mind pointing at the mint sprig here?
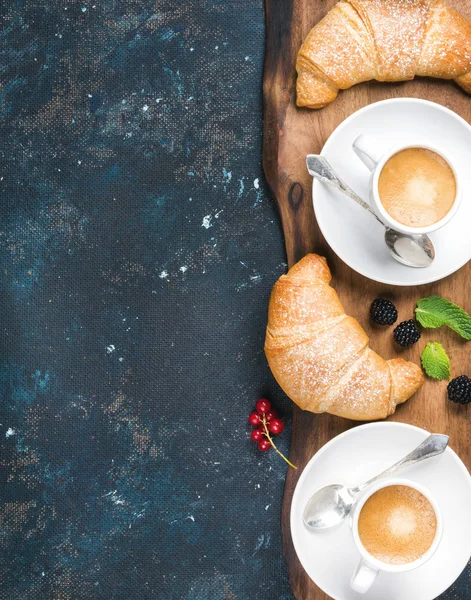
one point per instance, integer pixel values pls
(435, 361)
(435, 311)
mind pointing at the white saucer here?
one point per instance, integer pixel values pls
(329, 557)
(351, 232)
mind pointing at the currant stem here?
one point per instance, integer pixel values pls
(267, 433)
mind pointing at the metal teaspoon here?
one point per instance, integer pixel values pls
(332, 503)
(410, 250)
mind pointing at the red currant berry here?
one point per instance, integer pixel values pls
(264, 445)
(276, 426)
(257, 435)
(270, 415)
(254, 419)
(263, 406)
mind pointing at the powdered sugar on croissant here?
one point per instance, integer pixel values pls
(320, 356)
(386, 40)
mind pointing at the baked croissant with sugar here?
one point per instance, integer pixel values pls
(386, 40)
(320, 356)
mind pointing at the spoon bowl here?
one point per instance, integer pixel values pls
(410, 250)
(329, 506)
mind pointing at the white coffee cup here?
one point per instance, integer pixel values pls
(369, 566)
(370, 153)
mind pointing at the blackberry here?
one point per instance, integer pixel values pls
(383, 312)
(406, 333)
(459, 390)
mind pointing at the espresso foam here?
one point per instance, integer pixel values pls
(417, 187)
(397, 525)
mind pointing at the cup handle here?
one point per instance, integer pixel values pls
(363, 577)
(366, 150)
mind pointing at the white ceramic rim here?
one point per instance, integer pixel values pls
(379, 205)
(325, 447)
(315, 182)
(378, 564)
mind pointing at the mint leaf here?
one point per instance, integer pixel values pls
(435, 361)
(428, 320)
(434, 312)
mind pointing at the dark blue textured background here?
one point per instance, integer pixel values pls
(138, 249)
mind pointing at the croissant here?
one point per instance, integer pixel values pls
(386, 40)
(320, 356)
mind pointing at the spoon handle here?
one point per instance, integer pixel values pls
(434, 445)
(320, 168)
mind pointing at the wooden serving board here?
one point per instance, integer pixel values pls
(289, 134)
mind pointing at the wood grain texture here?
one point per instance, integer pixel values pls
(289, 134)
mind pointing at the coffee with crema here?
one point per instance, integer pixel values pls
(417, 187)
(397, 525)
